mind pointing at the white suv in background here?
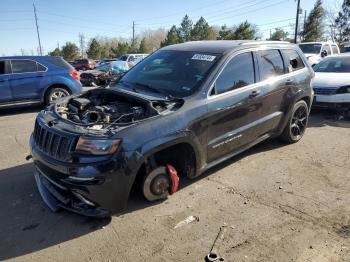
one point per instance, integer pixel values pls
(315, 51)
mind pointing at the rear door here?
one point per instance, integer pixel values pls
(275, 84)
(234, 105)
(5, 89)
(26, 79)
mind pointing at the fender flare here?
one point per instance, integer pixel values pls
(138, 156)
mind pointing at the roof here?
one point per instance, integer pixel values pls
(219, 46)
(320, 42)
(25, 57)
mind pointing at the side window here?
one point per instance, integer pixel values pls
(41, 68)
(238, 72)
(335, 49)
(23, 66)
(293, 59)
(2, 67)
(271, 63)
(327, 48)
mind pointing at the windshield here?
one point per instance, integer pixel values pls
(177, 73)
(334, 65)
(310, 48)
(119, 67)
(346, 49)
(104, 67)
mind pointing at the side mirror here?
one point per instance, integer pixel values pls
(324, 53)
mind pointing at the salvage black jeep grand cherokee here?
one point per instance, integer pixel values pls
(177, 113)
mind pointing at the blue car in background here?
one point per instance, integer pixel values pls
(27, 80)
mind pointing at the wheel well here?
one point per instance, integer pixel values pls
(55, 86)
(307, 100)
(181, 156)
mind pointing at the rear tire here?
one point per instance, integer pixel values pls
(56, 93)
(297, 123)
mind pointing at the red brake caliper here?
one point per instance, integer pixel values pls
(173, 178)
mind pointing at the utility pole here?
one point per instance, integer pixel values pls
(37, 30)
(297, 22)
(133, 32)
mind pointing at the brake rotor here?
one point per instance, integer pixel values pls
(156, 184)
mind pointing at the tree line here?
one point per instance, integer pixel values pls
(313, 29)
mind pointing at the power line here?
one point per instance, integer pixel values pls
(242, 6)
(185, 11)
(78, 18)
(83, 26)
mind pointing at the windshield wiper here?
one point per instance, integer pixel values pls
(158, 91)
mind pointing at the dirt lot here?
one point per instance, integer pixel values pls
(278, 203)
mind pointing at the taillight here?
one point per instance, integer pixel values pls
(75, 75)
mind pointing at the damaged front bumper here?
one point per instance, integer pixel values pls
(95, 189)
(57, 196)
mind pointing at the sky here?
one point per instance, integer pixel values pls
(62, 20)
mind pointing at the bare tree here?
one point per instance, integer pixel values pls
(332, 11)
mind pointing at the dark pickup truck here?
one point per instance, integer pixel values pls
(180, 111)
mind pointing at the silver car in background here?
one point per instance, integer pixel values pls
(332, 82)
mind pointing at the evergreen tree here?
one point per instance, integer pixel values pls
(224, 33)
(173, 37)
(56, 52)
(94, 49)
(279, 34)
(143, 49)
(313, 26)
(342, 24)
(202, 31)
(244, 31)
(185, 29)
(70, 51)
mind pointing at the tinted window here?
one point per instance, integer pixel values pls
(2, 67)
(334, 65)
(271, 63)
(23, 66)
(310, 48)
(293, 59)
(59, 62)
(238, 72)
(335, 49)
(41, 67)
(327, 48)
(178, 73)
(345, 49)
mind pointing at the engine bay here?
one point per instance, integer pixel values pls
(108, 108)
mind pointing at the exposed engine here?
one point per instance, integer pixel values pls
(105, 108)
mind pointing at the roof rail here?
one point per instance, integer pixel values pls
(264, 42)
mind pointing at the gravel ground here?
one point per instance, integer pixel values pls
(273, 203)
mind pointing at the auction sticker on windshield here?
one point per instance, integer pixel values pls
(202, 57)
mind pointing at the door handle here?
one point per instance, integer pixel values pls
(254, 93)
(4, 80)
(289, 81)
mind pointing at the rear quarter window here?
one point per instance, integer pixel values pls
(59, 62)
(293, 60)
